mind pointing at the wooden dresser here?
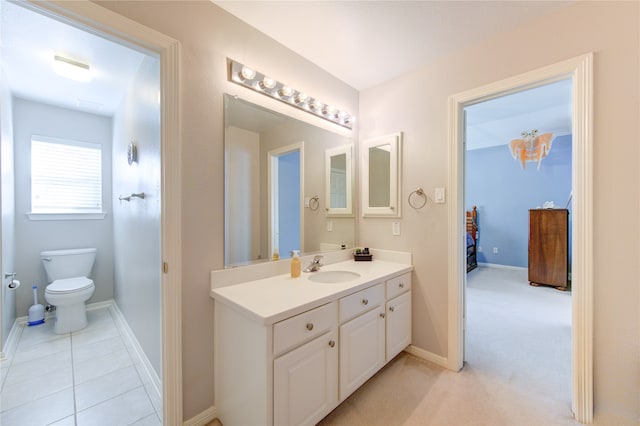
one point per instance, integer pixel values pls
(549, 247)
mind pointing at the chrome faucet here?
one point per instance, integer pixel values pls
(315, 264)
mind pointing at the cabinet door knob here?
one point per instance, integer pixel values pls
(310, 326)
(382, 315)
(332, 343)
(365, 302)
(391, 308)
(401, 285)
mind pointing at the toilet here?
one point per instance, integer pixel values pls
(70, 286)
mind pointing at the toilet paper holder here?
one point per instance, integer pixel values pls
(13, 283)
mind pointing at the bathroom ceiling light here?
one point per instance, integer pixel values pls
(259, 82)
(73, 70)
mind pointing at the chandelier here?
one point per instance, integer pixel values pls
(531, 147)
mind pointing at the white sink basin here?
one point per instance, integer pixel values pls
(333, 277)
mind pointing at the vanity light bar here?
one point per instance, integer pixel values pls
(255, 80)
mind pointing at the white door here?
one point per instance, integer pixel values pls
(305, 382)
(361, 350)
(398, 324)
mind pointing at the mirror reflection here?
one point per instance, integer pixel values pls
(379, 176)
(339, 181)
(275, 197)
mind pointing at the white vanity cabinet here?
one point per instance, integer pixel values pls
(287, 351)
(305, 382)
(398, 315)
(362, 339)
(305, 378)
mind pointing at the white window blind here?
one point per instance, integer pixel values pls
(66, 176)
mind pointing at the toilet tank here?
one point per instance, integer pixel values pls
(71, 263)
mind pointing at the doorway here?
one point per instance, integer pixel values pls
(97, 20)
(285, 195)
(513, 329)
(579, 70)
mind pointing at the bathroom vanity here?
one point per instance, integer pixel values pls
(289, 350)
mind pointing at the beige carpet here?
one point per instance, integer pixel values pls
(517, 370)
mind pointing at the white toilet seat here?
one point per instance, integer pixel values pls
(69, 285)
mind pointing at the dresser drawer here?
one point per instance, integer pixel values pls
(398, 285)
(362, 301)
(294, 331)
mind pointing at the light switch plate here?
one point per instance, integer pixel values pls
(440, 199)
(329, 226)
(395, 228)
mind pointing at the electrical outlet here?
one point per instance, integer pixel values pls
(495, 250)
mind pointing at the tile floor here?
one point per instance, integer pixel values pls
(89, 377)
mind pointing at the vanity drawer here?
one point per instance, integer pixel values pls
(296, 330)
(362, 301)
(398, 285)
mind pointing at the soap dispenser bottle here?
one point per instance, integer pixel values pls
(295, 264)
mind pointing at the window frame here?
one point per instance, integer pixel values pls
(66, 215)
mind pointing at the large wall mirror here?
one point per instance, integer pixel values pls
(275, 195)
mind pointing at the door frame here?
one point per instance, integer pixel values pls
(580, 70)
(105, 23)
(272, 190)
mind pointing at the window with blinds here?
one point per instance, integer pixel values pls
(66, 176)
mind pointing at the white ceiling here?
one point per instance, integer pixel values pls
(29, 42)
(365, 43)
(498, 121)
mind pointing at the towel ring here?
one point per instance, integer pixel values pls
(422, 199)
(314, 203)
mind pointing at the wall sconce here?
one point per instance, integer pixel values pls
(254, 80)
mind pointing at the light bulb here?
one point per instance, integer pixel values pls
(316, 105)
(247, 73)
(329, 111)
(300, 98)
(267, 83)
(285, 91)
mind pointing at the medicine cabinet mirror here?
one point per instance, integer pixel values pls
(381, 176)
(339, 181)
(274, 184)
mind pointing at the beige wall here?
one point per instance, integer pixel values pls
(208, 36)
(611, 31)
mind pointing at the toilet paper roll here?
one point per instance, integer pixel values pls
(14, 284)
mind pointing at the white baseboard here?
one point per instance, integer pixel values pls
(498, 266)
(126, 332)
(427, 356)
(9, 346)
(203, 418)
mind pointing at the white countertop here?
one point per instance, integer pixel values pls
(273, 299)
